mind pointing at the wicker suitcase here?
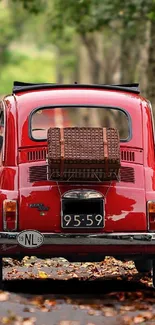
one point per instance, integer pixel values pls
(83, 154)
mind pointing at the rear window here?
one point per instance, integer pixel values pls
(42, 119)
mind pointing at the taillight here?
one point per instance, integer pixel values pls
(151, 214)
(10, 215)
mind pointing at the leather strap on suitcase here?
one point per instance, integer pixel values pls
(105, 146)
(62, 150)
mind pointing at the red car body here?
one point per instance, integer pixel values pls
(129, 212)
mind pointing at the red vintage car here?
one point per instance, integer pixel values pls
(81, 221)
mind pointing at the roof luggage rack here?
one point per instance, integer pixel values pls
(24, 86)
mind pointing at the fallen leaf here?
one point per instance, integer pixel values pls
(87, 264)
(91, 312)
(138, 319)
(109, 312)
(5, 320)
(29, 321)
(4, 296)
(9, 319)
(50, 302)
(127, 320)
(28, 310)
(148, 315)
(38, 301)
(74, 275)
(44, 309)
(127, 308)
(68, 322)
(82, 307)
(60, 272)
(42, 275)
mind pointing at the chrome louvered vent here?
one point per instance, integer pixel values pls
(127, 155)
(39, 173)
(36, 155)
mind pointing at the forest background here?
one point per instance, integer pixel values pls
(84, 41)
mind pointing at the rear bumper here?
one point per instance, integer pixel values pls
(111, 239)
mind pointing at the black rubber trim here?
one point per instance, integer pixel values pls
(23, 87)
(76, 106)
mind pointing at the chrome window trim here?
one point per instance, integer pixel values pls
(123, 110)
(152, 118)
(4, 132)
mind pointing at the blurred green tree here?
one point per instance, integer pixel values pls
(11, 27)
(85, 25)
(127, 18)
(89, 18)
(7, 32)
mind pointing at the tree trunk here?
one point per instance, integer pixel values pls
(143, 61)
(90, 72)
(111, 56)
(84, 64)
(130, 53)
(127, 64)
(59, 70)
(93, 45)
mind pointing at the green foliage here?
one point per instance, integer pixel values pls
(55, 24)
(34, 6)
(26, 67)
(12, 21)
(7, 32)
(90, 15)
(20, 25)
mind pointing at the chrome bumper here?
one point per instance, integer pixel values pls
(86, 239)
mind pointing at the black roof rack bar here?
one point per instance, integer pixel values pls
(22, 86)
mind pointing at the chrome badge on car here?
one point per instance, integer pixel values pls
(39, 206)
(30, 238)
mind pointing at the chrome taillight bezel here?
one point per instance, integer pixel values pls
(148, 215)
(5, 214)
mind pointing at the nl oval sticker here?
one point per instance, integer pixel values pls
(30, 238)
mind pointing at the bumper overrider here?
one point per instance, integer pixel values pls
(11, 238)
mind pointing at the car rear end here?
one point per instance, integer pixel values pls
(80, 218)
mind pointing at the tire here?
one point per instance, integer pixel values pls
(153, 273)
(1, 273)
(143, 266)
(86, 258)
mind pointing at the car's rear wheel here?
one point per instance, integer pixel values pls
(1, 272)
(91, 257)
(153, 273)
(143, 265)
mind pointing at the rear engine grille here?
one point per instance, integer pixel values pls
(127, 174)
(39, 173)
(127, 155)
(36, 155)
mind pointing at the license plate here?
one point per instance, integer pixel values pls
(82, 213)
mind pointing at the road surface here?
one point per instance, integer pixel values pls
(56, 292)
